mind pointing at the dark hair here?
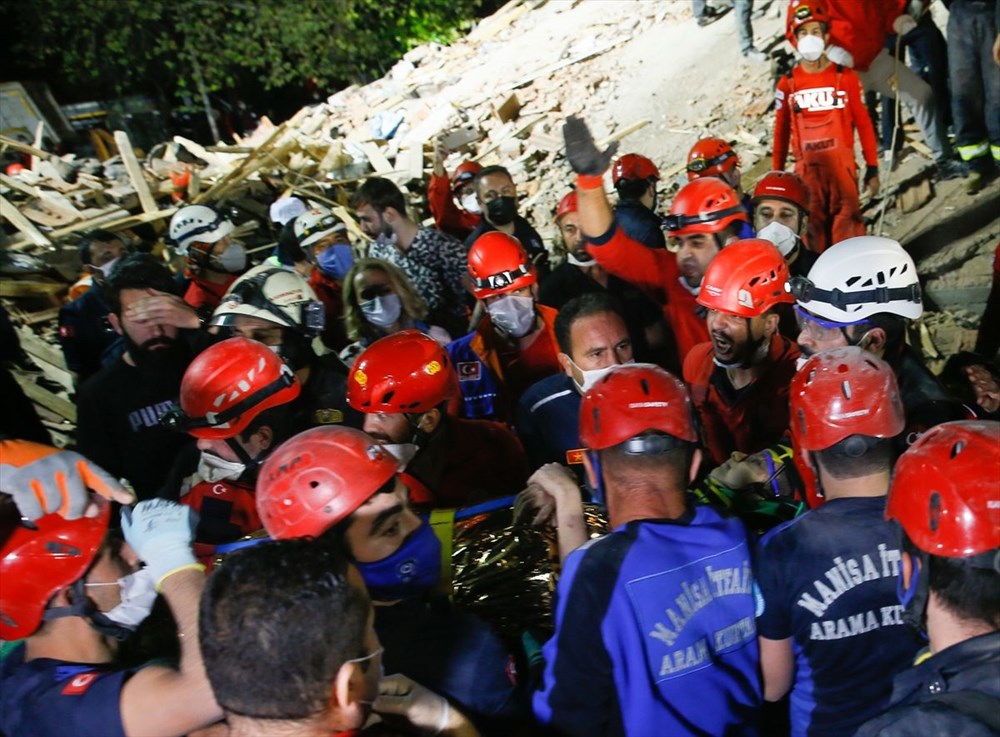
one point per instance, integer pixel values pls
(633, 189)
(856, 456)
(488, 170)
(380, 193)
(585, 305)
(278, 620)
(137, 271)
(894, 327)
(968, 591)
(279, 418)
(95, 236)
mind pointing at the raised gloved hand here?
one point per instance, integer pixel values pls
(160, 532)
(904, 24)
(839, 55)
(401, 699)
(45, 480)
(582, 151)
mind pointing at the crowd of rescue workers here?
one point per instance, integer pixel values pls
(692, 480)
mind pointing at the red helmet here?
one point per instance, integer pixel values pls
(36, 563)
(710, 157)
(229, 384)
(634, 167)
(801, 12)
(318, 478)
(705, 205)
(567, 205)
(403, 372)
(463, 173)
(498, 264)
(944, 490)
(631, 400)
(782, 185)
(746, 278)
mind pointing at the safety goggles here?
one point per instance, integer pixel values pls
(676, 222)
(805, 291)
(819, 329)
(696, 166)
(503, 279)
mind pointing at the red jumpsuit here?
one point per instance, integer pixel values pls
(819, 112)
(205, 296)
(655, 272)
(448, 217)
(748, 419)
(331, 294)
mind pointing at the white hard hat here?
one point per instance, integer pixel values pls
(197, 223)
(285, 209)
(313, 225)
(274, 294)
(860, 277)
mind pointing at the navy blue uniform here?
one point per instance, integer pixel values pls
(828, 580)
(52, 697)
(548, 423)
(640, 223)
(655, 633)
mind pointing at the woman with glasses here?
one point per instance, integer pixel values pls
(379, 300)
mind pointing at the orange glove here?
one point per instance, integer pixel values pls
(45, 480)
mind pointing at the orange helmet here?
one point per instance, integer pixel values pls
(497, 264)
(632, 399)
(705, 205)
(567, 204)
(801, 12)
(634, 167)
(710, 157)
(463, 173)
(227, 385)
(746, 279)
(318, 478)
(35, 562)
(944, 493)
(782, 185)
(404, 372)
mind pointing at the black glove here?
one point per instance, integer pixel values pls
(870, 171)
(582, 152)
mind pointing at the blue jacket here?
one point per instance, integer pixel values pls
(640, 223)
(548, 423)
(655, 633)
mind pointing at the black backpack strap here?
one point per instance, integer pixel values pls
(976, 704)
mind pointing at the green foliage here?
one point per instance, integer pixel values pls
(123, 46)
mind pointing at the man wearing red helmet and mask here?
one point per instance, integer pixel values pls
(403, 384)
(739, 380)
(343, 488)
(514, 344)
(781, 214)
(829, 622)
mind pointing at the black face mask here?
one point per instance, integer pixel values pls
(502, 210)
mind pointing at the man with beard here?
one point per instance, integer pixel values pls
(119, 407)
(434, 261)
(514, 344)
(739, 380)
(403, 384)
(497, 196)
(780, 215)
(235, 400)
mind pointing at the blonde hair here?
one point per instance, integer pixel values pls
(414, 306)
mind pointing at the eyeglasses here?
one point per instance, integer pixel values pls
(508, 190)
(699, 165)
(374, 290)
(819, 329)
(370, 656)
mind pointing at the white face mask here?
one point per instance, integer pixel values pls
(513, 315)
(233, 259)
(592, 376)
(382, 311)
(780, 235)
(470, 203)
(138, 594)
(106, 269)
(212, 468)
(403, 451)
(811, 48)
(800, 362)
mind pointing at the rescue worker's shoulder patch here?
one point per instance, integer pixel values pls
(469, 371)
(78, 684)
(574, 457)
(328, 416)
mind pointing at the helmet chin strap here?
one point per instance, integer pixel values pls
(914, 599)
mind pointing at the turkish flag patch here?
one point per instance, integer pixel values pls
(79, 683)
(469, 371)
(574, 457)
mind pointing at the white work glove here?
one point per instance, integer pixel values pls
(904, 24)
(160, 532)
(45, 480)
(839, 55)
(402, 699)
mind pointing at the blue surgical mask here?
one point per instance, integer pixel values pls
(410, 571)
(335, 261)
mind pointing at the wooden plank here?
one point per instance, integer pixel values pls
(376, 158)
(39, 395)
(135, 172)
(24, 226)
(20, 186)
(39, 133)
(30, 288)
(621, 133)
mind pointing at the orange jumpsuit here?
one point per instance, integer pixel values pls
(820, 112)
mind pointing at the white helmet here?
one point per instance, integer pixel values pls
(313, 225)
(285, 209)
(860, 277)
(274, 294)
(197, 223)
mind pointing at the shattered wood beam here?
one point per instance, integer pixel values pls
(24, 148)
(23, 225)
(620, 134)
(39, 133)
(20, 186)
(135, 172)
(51, 401)
(29, 288)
